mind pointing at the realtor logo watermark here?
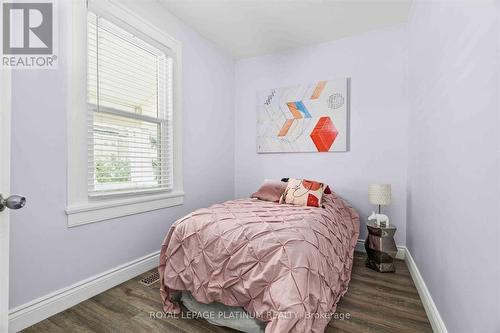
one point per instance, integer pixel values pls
(28, 35)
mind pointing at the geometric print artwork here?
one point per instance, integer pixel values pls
(303, 118)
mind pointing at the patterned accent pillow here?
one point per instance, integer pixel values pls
(327, 188)
(303, 192)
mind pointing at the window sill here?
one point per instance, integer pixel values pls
(100, 211)
(108, 195)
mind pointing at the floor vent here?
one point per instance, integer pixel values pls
(150, 279)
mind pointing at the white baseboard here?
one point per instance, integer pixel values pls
(360, 246)
(435, 319)
(37, 310)
(431, 310)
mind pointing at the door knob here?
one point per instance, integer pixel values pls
(12, 202)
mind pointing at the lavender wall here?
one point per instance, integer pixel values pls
(453, 183)
(377, 65)
(45, 254)
(447, 216)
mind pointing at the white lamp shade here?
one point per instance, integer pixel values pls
(379, 194)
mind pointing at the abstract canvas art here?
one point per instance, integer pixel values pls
(303, 118)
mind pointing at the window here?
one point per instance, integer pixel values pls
(129, 97)
(123, 114)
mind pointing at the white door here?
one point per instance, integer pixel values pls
(7, 202)
(4, 190)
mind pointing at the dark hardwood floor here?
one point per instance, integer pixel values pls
(375, 302)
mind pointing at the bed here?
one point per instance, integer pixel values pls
(286, 265)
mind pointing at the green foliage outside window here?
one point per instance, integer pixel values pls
(155, 163)
(112, 171)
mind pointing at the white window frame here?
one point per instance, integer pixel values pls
(82, 207)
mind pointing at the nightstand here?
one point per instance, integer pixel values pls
(381, 247)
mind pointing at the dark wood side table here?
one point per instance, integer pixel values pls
(381, 247)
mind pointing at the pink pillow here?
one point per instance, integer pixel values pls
(271, 190)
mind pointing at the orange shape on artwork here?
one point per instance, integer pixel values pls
(286, 127)
(324, 133)
(318, 90)
(293, 109)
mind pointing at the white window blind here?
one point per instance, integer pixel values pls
(129, 95)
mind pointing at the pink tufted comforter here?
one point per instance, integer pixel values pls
(288, 265)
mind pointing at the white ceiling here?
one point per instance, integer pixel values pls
(247, 28)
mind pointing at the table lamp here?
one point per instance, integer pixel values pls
(379, 194)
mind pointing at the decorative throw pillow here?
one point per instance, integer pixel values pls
(303, 192)
(327, 188)
(271, 190)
